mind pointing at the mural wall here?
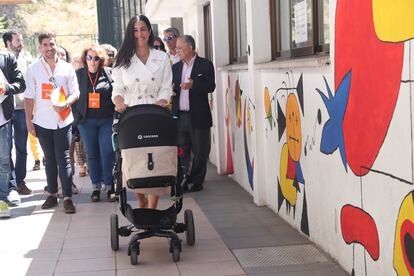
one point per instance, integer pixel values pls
(239, 127)
(338, 139)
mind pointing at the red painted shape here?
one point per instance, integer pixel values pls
(291, 168)
(359, 227)
(229, 167)
(376, 74)
(407, 228)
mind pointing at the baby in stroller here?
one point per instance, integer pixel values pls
(145, 141)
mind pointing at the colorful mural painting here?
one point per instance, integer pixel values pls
(290, 170)
(373, 74)
(367, 85)
(404, 238)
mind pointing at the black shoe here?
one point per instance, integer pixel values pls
(44, 161)
(36, 166)
(51, 201)
(68, 206)
(96, 196)
(196, 188)
(23, 190)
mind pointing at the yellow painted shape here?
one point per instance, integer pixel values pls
(293, 128)
(286, 185)
(267, 101)
(249, 121)
(393, 19)
(406, 213)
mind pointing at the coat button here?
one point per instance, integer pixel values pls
(137, 80)
(139, 97)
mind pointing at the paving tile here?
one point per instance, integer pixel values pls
(41, 267)
(85, 265)
(211, 269)
(159, 270)
(92, 252)
(86, 242)
(85, 273)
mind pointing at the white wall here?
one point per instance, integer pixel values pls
(376, 196)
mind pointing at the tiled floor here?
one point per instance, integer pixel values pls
(50, 242)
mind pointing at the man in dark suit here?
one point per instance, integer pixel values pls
(11, 83)
(193, 80)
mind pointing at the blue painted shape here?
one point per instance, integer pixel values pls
(333, 133)
(249, 165)
(299, 174)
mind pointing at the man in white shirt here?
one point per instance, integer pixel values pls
(170, 38)
(13, 41)
(52, 87)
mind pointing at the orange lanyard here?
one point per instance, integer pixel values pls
(93, 82)
(51, 76)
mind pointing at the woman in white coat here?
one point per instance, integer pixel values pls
(142, 75)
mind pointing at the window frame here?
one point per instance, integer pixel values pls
(208, 36)
(317, 27)
(232, 26)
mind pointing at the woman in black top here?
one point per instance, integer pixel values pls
(93, 115)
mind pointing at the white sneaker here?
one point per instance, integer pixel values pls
(14, 197)
(4, 210)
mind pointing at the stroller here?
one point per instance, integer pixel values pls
(145, 142)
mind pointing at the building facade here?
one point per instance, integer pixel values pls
(113, 17)
(313, 116)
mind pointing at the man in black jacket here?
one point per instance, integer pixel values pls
(11, 83)
(193, 80)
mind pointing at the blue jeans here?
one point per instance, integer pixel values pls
(96, 134)
(55, 145)
(5, 146)
(20, 142)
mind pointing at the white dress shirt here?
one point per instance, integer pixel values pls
(185, 93)
(144, 83)
(174, 58)
(40, 72)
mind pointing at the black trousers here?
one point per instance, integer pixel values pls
(195, 141)
(55, 145)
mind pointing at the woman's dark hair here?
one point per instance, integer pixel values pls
(128, 47)
(162, 46)
(68, 57)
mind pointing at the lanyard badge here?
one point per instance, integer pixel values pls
(94, 99)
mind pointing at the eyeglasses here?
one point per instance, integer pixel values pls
(169, 38)
(157, 47)
(95, 58)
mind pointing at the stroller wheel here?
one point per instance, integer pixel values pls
(134, 251)
(176, 248)
(189, 226)
(114, 232)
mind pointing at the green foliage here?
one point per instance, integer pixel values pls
(3, 24)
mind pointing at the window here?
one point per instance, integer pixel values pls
(299, 27)
(208, 40)
(237, 31)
